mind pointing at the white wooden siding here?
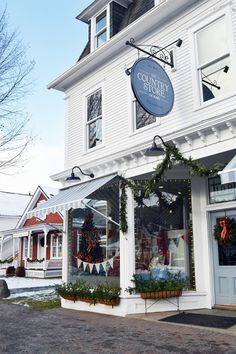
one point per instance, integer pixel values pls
(117, 98)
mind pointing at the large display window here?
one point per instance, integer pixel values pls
(94, 249)
(163, 232)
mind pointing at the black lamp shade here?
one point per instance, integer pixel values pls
(154, 150)
(73, 177)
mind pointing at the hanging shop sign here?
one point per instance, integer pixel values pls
(152, 87)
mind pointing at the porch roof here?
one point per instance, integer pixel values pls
(24, 231)
(228, 174)
(70, 197)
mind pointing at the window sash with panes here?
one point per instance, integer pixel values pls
(212, 57)
(101, 29)
(141, 117)
(56, 246)
(94, 119)
(26, 247)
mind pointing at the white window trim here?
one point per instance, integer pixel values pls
(85, 123)
(197, 94)
(158, 2)
(25, 256)
(132, 113)
(40, 235)
(93, 33)
(51, 242)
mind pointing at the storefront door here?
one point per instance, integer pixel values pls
(224, 257)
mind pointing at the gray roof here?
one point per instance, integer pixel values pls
(135, 10)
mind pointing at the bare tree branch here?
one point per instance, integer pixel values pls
(15, 72)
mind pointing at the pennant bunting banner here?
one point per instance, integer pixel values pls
(99, 266)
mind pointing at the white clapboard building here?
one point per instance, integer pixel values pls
(115, 108)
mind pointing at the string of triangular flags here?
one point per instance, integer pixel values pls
(100, 267)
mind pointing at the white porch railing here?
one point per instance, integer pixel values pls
(34, 265)
(44, 265)
(5, 265)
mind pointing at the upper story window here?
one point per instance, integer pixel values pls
(94, 119)
(141, 117)
(213, 59)
(101, 29)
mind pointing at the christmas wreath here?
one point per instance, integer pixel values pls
(225, 230)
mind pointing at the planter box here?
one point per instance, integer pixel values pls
(70, 297)
(111, 302)
(164, 294)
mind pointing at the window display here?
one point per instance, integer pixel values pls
(94, 251)
(162, 230)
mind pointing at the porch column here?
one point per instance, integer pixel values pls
(127, 247)
(13, 247)
(1, 247)
(45, 231)
(65, 254)
(28, 248)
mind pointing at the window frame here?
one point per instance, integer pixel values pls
(133, 122)
(26, 247)
(55, 237)
(196, 72)
(94, 34)
(86, 95)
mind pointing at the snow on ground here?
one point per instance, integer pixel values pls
(37, 288)
(22, 282)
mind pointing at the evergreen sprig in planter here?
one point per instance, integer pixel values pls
(76, 291)
(158, 283)
(107, 293)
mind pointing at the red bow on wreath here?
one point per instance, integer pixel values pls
(224, 233)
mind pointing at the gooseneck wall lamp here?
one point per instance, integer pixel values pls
(155, 150)
(206, 78)
(74, 177)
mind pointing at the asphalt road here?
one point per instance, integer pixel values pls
(61, 331)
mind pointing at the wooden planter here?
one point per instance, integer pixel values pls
(111, 302)
(70, 297)
(164, 294)
(86, 299)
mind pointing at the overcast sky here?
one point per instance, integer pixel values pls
(55, 40)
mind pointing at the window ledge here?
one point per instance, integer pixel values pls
(90, 151)
(146, 128)
(214, 101)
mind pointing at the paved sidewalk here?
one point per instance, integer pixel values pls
(157, 316)
(61, 331)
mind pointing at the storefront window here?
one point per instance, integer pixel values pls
(163, 228)
(219, 193)
(94, 250)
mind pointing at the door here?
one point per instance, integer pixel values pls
(40, 246)
(224, 257)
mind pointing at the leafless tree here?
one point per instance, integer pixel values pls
(15, 82)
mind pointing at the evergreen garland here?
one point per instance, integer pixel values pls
(172, 156)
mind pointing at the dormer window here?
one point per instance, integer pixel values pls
(101, 29)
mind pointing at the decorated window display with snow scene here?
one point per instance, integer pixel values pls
(94, 250)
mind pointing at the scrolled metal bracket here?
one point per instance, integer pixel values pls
(160, 53)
